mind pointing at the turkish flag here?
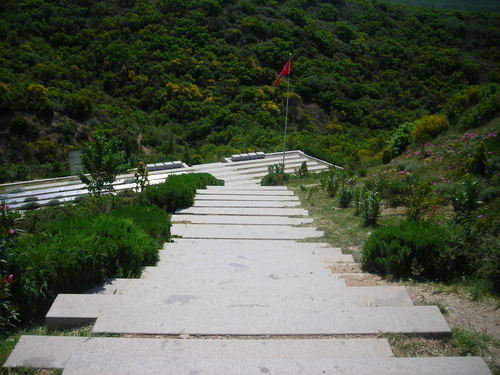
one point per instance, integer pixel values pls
(284, 72)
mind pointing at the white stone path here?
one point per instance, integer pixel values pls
(252, 297)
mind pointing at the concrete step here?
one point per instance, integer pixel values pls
(128, 316)
(240, 197)
(244, 211)
(124, 365)
(232, 219)
(55, 351)
(239, 203)
(275, 189)
(260, 232)
(275, 251)
(242, 191)
(227, 296)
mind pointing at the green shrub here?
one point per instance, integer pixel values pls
(152, 219)
(38, 220)
(465, 201)
(395, 193)
(420, 199)
(30, 206)
(346, 192)
(369, 207)
(335, 179)
(478, 163)
(30, 199)
(303, 171)
(321, 154)
(275, 179)
(54, 202)
(177, 191)
(8, 233)
(481, 113)
(416, 249)
(399, 139)
(73, 255)
(427, 128)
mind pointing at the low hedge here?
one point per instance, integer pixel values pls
(275, 179)
(152, 219)
(177, 191)
(416, 249)
(75, 254)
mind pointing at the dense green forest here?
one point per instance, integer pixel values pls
(468, 5)
(475, 5)
(193, 79)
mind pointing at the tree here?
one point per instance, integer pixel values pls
(103, 160)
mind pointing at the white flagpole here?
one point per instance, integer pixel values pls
(286, 110)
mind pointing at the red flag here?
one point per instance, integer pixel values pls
(284, 72)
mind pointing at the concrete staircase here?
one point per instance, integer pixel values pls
(250, 297)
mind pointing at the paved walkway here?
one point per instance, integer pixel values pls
(251, 297)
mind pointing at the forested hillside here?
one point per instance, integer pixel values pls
(192, 79)
(475, 5)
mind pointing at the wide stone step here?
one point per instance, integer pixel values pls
(233, 219)
(267, 253)
(239, 197)
(279, 250)
(268, 211)
(128, 365)
(234, 191)
(273, 232)
(56, 351)
(158, 317)
(250, 204)
(275, 189)
(227, 296)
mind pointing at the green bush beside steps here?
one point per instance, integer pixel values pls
(73, 248)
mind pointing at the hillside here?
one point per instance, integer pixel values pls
(192, 80)
(467, 5)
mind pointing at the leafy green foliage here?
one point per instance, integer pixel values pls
(336, 178)
(427, 128)
(177, 191)
(465, 201)
(103, 160)
(191, 81)
(420, 199)
(75, 254)
(400, 139)
(346, 192)
(141, 177)
(416, 249)
(8, 233)
(478, 5)
(275, 179)
(151, 219)
(303, 171)
(368, 206)
(478, 162)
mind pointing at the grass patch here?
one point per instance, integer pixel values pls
(463, 342)
(342, 229)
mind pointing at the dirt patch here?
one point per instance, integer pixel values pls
(364, 279)
(460, 311)
(346, 268)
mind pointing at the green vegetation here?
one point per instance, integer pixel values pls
(191, 80)
(73, 255)
(177, 191)
(72, 248)
(476, 5)
(103, 161)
